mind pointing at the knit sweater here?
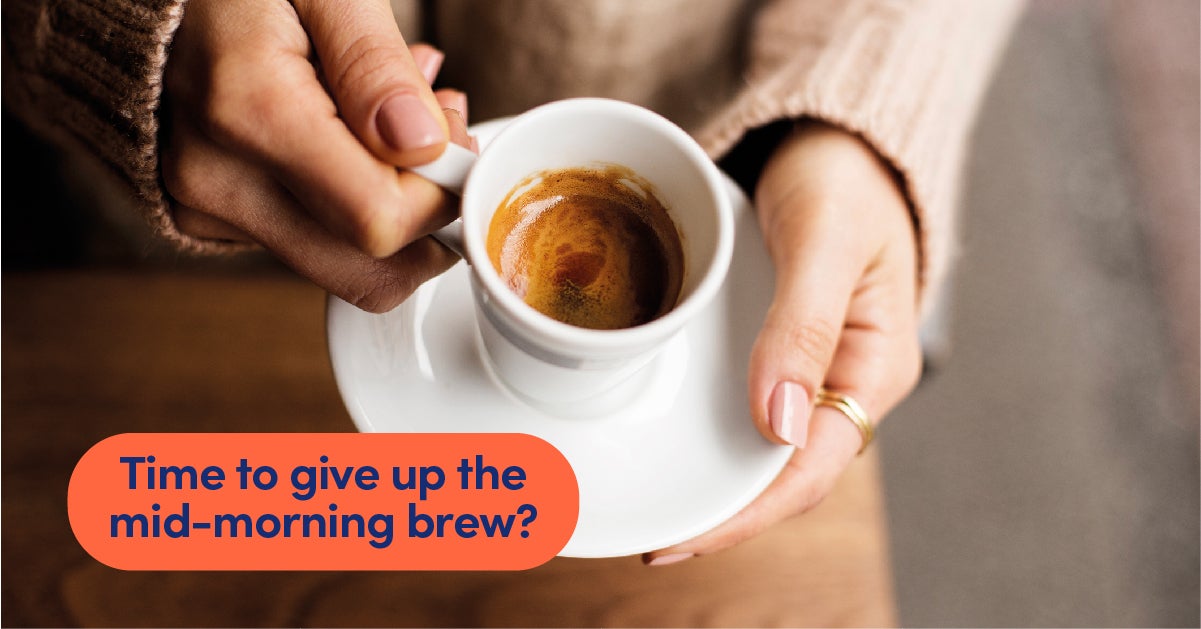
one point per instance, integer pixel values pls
(906, 76)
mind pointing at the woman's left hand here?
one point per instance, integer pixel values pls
(843, 318)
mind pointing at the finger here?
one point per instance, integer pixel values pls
(877, 362)
(380, 90)
(814, 283)
(290, 126)
(371, 284)
(453, 99)
(255, 94)
(428, 60)
(805, 480)
(457, 123)
(877, 368)
(204, 177)
(367, 202)
(836, 224)
(419, 187)
(879, 358)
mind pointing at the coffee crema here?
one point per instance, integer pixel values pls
(592, 247)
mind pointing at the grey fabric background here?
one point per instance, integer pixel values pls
(1046, 472)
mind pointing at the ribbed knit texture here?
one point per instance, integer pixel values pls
(906, 75)
(89, 74)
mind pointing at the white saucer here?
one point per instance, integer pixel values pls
(680, 457)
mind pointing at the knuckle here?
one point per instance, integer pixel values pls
(232, 115)
(360, 228)
(374, 214)
(239, 105)
(382, 288)
(811, 341)
(368, 231)
(368, 63)
(222, 92)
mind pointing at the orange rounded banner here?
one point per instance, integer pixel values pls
(310, 501)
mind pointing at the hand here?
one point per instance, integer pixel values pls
(843, 317)
(285, 124)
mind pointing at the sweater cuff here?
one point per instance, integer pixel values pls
(907, 77)
(90, 74)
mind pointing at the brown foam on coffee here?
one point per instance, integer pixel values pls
(590, 247)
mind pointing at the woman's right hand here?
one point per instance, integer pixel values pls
(285, 124)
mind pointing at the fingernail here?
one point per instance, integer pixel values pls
(458, 102)
(458, 115)
(475, 145)
(429, 64)
(406, 124)
(664, 560)
(457, 127)
(789, 413)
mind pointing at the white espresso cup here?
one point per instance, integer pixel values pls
(541, 359)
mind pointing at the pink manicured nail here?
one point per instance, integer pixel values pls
(458, 102)
(429, 64)
(406, 124)
(664, 560)
(789, 413)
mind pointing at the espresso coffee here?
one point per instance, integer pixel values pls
(592, 247)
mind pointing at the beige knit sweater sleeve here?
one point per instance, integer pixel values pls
(906, 75)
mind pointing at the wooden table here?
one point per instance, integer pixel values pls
(87, 354)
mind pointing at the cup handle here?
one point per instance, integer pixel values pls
(450, 172)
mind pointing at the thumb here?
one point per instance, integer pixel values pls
(799, 337)
(380, 91)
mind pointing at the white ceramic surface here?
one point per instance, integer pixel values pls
(535, 355)
(665, 457)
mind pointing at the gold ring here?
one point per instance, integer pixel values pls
(854, 412)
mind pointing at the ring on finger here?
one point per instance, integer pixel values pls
(853, 411)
